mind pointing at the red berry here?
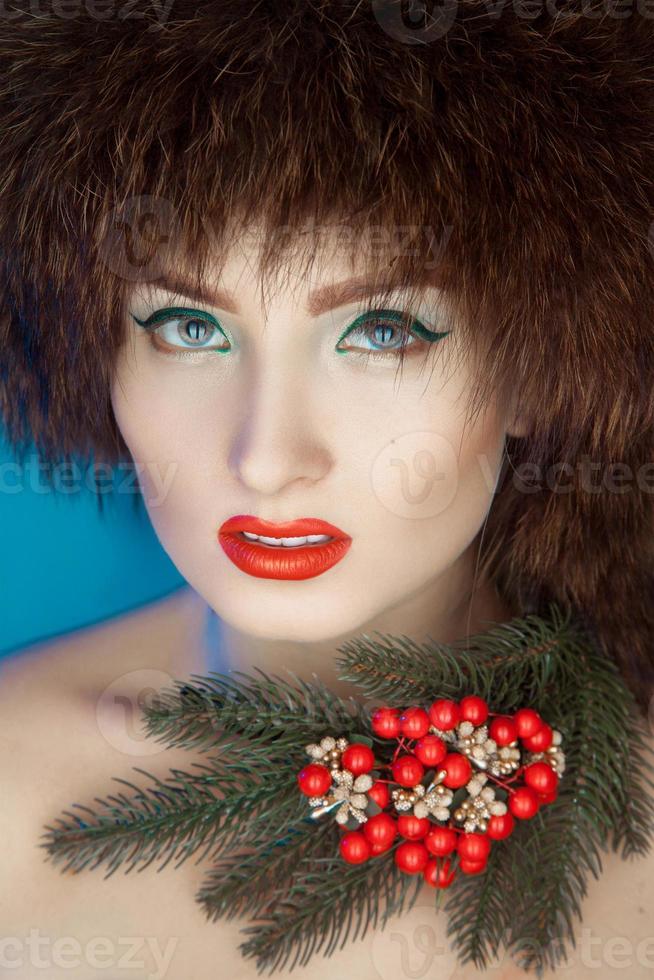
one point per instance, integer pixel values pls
(527, 722)
(458, 769)
(523, 803)
(471, 867)
(358, 758)
(500, 827)
(386, 723)
(380, 829)
(473, 847)
(440, 874)
(541, 740)
(354, 847)
(380, 848)
(541, 777)
(407, 770)
(414, 722)
(412, 827)
(441, 841)
(379, 793)
(444, 714)
(503, 730)
(473, 709)
(314, 779)
(411, 856)
(548, 797)
(431, 750)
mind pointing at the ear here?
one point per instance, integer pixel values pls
(517, 424)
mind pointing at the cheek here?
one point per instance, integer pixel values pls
(171, 427)
(433, 483)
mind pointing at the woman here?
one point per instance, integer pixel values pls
(312, 260)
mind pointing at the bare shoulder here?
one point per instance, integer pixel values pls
(151, 636)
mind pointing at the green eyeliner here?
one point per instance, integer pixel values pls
(160, 316)
(167, 314)
(416, 327)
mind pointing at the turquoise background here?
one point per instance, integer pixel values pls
(64, 563)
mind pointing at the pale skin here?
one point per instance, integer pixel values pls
(281, 427)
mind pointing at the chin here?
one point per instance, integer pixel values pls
(279, 620)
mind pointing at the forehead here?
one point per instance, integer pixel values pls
(318, 268)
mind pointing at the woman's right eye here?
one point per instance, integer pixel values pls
(185, 330)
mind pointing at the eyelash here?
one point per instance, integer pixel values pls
(394, 319)
(375, 318)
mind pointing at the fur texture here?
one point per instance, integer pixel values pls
(530, 140)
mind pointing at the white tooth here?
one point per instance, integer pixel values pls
(292, 542)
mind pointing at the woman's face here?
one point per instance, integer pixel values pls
(301, 410)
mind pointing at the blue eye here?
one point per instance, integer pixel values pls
(387, 333)
(183, 329)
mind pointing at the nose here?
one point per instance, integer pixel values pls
(279, 442)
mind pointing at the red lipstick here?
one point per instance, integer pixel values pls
(283, 560)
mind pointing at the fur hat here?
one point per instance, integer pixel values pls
(521, 135)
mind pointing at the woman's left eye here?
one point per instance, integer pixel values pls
(180, 329)
(387, 332)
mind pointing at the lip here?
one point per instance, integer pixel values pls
(271, 561)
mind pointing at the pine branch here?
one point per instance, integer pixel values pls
(547, 859)
(507, 665)
(634, 825)
(241, 885)
(567, 835)
(335, 902)
(173, 819)
(305, 900)
(266, 711)
(480, 907)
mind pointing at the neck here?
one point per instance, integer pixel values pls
(451, 608)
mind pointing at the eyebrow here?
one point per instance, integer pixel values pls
(321, 300)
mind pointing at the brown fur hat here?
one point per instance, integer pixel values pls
(521, 134)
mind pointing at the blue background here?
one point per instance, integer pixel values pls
(65, 564)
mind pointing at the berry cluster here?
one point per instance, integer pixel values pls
(492, 768)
